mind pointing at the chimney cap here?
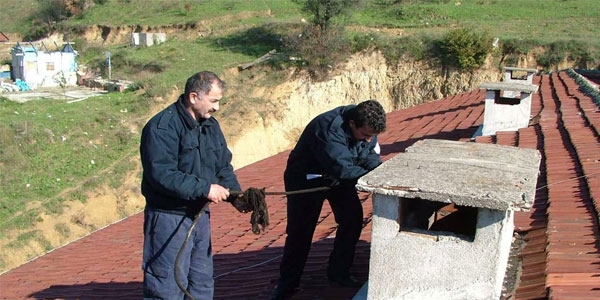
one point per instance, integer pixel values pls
(509, 86)
(520, 69)
(464, 173)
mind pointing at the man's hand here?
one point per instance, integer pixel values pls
(217, 193)
(253, 200)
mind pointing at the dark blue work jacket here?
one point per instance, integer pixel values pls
(181, 158)
(327, 147)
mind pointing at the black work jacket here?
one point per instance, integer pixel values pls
(181, 158)
(327, 148)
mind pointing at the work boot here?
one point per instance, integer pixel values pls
(282, 292)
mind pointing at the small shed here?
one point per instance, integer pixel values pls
(147, 39)
(44, 68)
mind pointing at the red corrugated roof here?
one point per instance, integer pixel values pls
(560, 260)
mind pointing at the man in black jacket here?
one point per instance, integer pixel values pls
(186, 164)
(335, 149)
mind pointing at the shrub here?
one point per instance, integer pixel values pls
(558, 51)
(361, 41)
(517, 46)
(465, 49)
(324, 11)
(415, 47)
(552, 57)
(44, 22)
(317, 49)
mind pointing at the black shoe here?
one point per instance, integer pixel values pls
(281, 292)
(345, 281)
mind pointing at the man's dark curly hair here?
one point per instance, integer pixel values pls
(369, 112)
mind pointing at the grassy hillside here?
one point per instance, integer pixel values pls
(161, 12)
(545, 21)
(15, 15)
(54, 153)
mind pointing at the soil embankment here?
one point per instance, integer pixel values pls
(363, 77)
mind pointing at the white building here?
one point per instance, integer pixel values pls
(44, 68)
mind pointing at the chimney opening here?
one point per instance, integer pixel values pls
(434, 218)
(519, 74)
(507, 101)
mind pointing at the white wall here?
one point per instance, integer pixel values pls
(413, 266)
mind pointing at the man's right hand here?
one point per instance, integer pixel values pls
(217, 193)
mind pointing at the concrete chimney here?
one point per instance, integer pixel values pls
(507, 106)
(508, 103)
(443, 219)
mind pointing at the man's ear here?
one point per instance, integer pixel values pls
(351, 124)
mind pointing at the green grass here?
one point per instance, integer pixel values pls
(223, 13)
(14, 15)
(545, 21)
(51, 145)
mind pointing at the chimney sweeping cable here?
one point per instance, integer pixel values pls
(568, 179)
(323, 188)
(255, 196)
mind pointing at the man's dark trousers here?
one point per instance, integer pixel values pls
(303, 212)
(165, 234)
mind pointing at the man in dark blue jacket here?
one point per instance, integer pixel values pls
(335, 149)
(186, 164)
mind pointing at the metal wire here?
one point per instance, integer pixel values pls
(304, 191)
(187, 238)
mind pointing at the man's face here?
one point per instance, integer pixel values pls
(203, 105)
(364, 133)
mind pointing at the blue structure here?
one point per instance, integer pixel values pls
(42, 68)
